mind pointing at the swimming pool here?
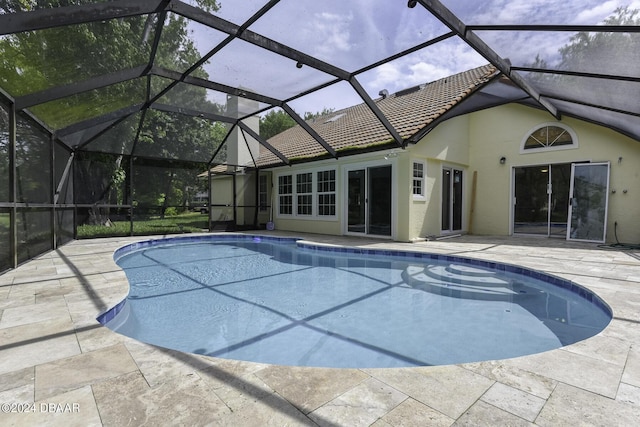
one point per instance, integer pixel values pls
(281, 301)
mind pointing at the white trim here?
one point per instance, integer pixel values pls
(463, 219)
(314, 194)
(423, 196)
(572, 198)
(394, 194)
(512, 190)
(574, 138)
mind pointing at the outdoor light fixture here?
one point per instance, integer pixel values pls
(412, 4)
(391, 155)
(299, 64)
(503, 160)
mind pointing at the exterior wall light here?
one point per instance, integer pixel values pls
(503, 160)
(412, 4)
(391, 155)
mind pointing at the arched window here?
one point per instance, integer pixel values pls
(554, 136)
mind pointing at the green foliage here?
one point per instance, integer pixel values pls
(171, 211)
(604, 48)
(275, 122)
(310, 116)
(192, 222)
(12, 6)
(32, 162)
(37, 60)
(597, 52)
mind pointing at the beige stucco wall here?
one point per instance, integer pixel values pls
(221, 193)
(500, 131)
(336, 226)
(445, 146)
(475, 143)
(413, 218)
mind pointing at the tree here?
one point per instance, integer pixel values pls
(277, 121)
(37, 60)
(598, 51)
(602, 50)
(310, 116)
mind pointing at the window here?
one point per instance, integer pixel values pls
(308, 194)
(418, 180)
(285, 194)
(304, 190)
(262, 193)
(554, 136)
(327, 193)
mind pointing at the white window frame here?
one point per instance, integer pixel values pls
(263, 193)
(572, 146)
(281, 195)
(422, 180)
(315, 215)
(329, 193)
(304, 194)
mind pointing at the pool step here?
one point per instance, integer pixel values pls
(467, 270)
(459, 274)
(457, 277)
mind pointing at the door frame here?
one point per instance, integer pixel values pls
(463, 215)
(513, 200)
(512, 191)
(572, 200)
(345, 198)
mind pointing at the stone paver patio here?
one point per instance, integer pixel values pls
(62, 367)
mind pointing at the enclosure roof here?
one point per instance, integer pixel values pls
(171, 80)
(412, 111)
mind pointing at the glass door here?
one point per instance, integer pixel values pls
(369, 201)
(541, 201)
(451, 199)
(589, 202)
(379, 214)
(356, 219)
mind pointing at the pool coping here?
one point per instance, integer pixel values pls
(56, 351)
(573, 287)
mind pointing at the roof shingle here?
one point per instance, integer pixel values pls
(357, 127)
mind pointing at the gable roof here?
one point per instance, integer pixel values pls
(356, 129)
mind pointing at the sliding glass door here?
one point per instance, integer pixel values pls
(541, 201)
(566, 200)
(589, 202)
(369, 201)
(451, 200)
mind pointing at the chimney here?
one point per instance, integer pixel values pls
(239, 152)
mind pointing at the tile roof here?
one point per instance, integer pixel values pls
(356, 127)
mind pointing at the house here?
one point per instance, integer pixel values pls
(478, 158)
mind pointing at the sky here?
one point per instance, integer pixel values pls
(352, 34)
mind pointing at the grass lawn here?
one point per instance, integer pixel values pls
(190, 222)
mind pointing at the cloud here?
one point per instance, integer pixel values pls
(432, 63)
(336, 97)
(537, 11)
(423, 72)
(334, 30)
(597, 13)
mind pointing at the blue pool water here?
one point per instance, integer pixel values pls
(274, 300)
